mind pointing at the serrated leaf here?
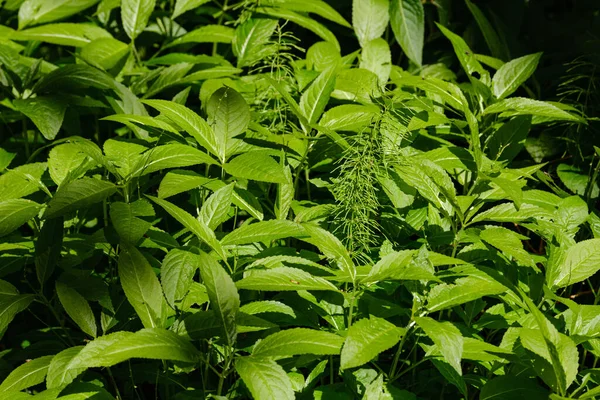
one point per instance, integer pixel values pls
(142, 288)
(318, 7)
(283, 279)
(47, 113)
(182, 6)
(508, 242)
(223, 295)
(250, 42)
(169, 156)
(78, 194)
(369, 19)
(377, 58)
(507, 141)
(77, 308)
(150, 343)
(190, 122)
(26, 375)
(67, 161)
(407, 18)
(177, 273)
(349, 117)
(135, 15)
(265, 379)
(34, 12)
(59, 371)
(513, 74)
(315, 98)
(264, 231)
(206, 34)
(73, 77)
(526, 106)
(447, 337)
(124, 218)
(512, 387)
(21, 181)
(65, 34)
(580, 262)
(399, 266)
(332, 247)
(10, 307)
(104, 53)
(16, 212)
(366, 339)
(215, 209)
(256, 165)
(291, 342)
(462, 291)
(198, 228)
(228, 113)
(267, 306)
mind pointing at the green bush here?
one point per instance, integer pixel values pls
(280, 199)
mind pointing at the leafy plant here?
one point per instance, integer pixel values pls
(204, 199)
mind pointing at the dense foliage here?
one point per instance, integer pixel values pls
(279, 199)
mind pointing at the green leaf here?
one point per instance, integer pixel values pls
(332, 248)
(228, 113)
(223, 295)
(256, 165)
(47, 248)
(492, 38)
(21, 181)
(576, 180)
(198, 228)
(513, 74)
(77, 195)
(16, 212)
(169, 156)
(265, 379)
(512, 387)
(267, 306)
(26, 375)
(291, 342)
(47, 113)
(446, 337)
(318, 7)
(525, 106)
(150, 343)
(104, 53)
(462, 291)
(580, 262)
(215, 209)
(250, 42)
(400, 266)
(190, 122)
(369, 19)
(73, 77)
(142, 288)
(60, 373)
(77, 308)
(301, 20)
(65, 34)
(508, 242)
(408, 23)
(315, 98)
(124, 218)
(11, 306)
(133, 122)
(264, 231)
(67, 162)
(507, 141)
(349, 117)
(377, 58)
(177, 273)
(366, 339)
(466, 57)
(35, 12)
(135, 15)
(283, 279)
(206, 34)
(182, 6)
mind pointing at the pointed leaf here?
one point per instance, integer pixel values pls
(16, 212)
(78, 194)
(291, 342)
(250, 42)
(26, 375)
(135, 15)
(264, 231)
(283, 279)
(265, 379)
(47, 113)
(580, 262)
(215, 209)
(177, 273)
(315, 98)
(35, 12)
(332, 248)
(77, 308)
(59, 372)
(65, 34)
(124, 218)
(369, 19)
(206, 34)
(408, 23)
(447, 337)
(256, 165)
(526, 106)
(513, 74)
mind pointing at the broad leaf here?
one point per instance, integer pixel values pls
(177, 272)
(223, 295)
(407, 18)
(332, 248)
(126, 221)
(169, 156)
(250, 42)
(369, 19)
(446, 337)
(77, 308)
(16, 212)
(142, 288)
(264, 231)
(506, 142)
(66, 34)
(215, 209)
(315, 98)
(59, 372)
(513, 74)
(512, 387)
(228, 113)
(508, 242)
(48, 247)
(256, 165)
(462, 291)
(77, 195)
(182, 6)
(11, 306)
(21, 181)
(35, 12)
(525, 106)
(135, 15)
(291, 342)
(26, 375)
(265, 379)
(366, 339)
(47, 113)
(580, 262)
(283, 279)
(206, 34)
(104, 53)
